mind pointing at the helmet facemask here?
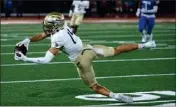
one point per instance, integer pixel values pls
(53, 22)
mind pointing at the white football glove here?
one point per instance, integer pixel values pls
(70, 13)
(24, 42)
(20, 56)
(138, 12)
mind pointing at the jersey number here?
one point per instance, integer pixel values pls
(71, 34)
(146, 3)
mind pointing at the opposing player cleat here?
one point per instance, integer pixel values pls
(143, 40)
(150, 44)
(150, 37)
(123, 98)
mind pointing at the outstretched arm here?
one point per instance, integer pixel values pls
(38, 37)
(46, 59)
(34, 38)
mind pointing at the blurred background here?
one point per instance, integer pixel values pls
(98, 8)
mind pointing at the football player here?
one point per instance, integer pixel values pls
(77, 11)
(81, 54)
(146, 13)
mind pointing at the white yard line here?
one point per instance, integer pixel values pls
(48, 44)
(17, 40)
(121, 29)
(88, 32)
(91, 37)
(114, 27)
(87, 21)
(96, 61)
(7, 36)
(165, 48)
(12, 53)
(91, 41)
(28, 53)
(69, 79)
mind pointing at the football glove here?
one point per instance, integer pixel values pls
(22, 49)
(20, 56)
(138, 12)
(25, 42)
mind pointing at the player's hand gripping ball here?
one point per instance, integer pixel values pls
(20, 52)
(21, 49)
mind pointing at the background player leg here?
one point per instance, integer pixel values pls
(150, 26)
(77, 22)
(72, 22)
(142, 28)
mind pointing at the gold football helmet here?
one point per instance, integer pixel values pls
(53, 22)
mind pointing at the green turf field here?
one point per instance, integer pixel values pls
(148, 74)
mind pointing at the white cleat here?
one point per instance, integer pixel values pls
(150, 37)
(123, 98)
(150, 44)
(143, 40)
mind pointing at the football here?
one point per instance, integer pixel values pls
(21, 48)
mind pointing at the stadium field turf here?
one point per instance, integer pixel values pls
(148, 75)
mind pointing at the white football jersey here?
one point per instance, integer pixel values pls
(68, 42)
(80, 6)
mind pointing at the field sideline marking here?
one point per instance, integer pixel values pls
(68, 79)
(116, 60)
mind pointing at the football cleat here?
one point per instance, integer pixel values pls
(144, 40)
(123, 98)
(150, 44)
(150, 37)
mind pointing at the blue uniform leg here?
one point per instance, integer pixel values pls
(142, 27)
(150, 26)
(142, 23)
